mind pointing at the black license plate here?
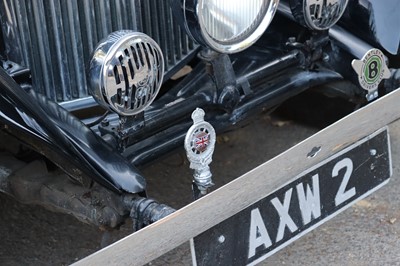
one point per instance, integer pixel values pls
(312, 198)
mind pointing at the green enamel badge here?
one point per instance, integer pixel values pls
(371, 69)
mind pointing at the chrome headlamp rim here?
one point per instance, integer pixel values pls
(195, 27)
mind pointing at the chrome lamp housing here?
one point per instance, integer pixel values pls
(318, 14)
(126, 72)
(225, 26)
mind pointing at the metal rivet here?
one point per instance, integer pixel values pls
(314, 152)
(325, 57)
(221, 239)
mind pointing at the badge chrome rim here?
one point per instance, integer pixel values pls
(371, 69)
(200, 155)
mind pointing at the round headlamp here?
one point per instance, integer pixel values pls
(126, 72)
(318, 14)
(226, 26)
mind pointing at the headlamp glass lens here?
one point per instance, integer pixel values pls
(228, 21)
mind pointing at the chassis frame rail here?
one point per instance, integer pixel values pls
(155, 240)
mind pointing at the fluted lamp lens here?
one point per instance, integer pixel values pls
(234, 22)
(227, 21)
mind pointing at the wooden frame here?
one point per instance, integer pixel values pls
(155, 240)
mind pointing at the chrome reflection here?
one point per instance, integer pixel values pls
(126, 72)
(323, 14)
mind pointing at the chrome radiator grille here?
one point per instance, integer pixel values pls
(55, 38)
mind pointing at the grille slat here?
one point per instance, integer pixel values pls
(76, 51)
(55, 38)
(176, 45)
(58, 38)
(41, 44)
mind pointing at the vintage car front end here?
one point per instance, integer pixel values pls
(101, 88)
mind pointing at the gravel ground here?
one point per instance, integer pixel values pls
(365, 234)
